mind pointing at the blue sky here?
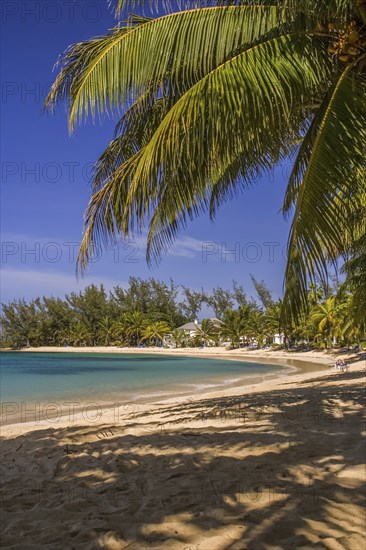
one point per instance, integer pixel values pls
(45, 180)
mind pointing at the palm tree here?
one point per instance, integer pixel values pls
(327, 321)
(276, 323)
(256, 327)
(221, 94)
(273, 318)
(315, 294)
(355, 269)
(179, 338)
(79, 334)
(155, 332)
(131, 326)
(234, 328)
(106, 330)
(209, 332)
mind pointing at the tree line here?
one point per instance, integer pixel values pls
(148, 310)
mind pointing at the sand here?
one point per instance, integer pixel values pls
(270, 353)
(276, 465)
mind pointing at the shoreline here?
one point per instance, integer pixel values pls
(291, 370)
(280, 461)
(208, 350)
(269, 356)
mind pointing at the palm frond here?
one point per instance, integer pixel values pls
(239, 174)
(103, 73)
(157, 6)
(244, 105)
(104, 212)
(132, 132)
(206, 129)
(321, 8)
(304, 152)
(331, 188)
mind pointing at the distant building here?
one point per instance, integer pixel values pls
(215, 321)
(190, 329)
(279, 339)
(193, 328)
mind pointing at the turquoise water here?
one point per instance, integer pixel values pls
(49, 376)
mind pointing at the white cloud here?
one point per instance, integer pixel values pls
(19, 246)
(186, 247)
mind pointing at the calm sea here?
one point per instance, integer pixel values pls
(86, 376)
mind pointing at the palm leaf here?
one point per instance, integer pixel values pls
(240, 106)
(333, 10)
(196, 139)
(103, 73)
(331, 189)
(304, 152)
(132, 132)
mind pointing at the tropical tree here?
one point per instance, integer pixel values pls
(79, 334)
(179, 338)
(315, 294)
(119, 330)
(325, 317)
(220, 300)
(239, 295)
(155, 332)
(263, 293)
(152, 297)
(209, 332)
(19, 322)
(256, 327)
(56, 321)
(355, 287)
(213, 97)
(233, 328)
(106, 330)
(192, 303)
(58, 317)
(132, 326)
(90, 305)
(273, 319)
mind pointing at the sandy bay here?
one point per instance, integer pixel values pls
(277, 464)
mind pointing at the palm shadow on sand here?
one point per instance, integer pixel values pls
(272, 470)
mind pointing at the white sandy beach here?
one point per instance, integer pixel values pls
(312, 356)
(276, 465)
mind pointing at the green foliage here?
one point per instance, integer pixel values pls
(234, 327)
(106, 330)
(179, 338)
(355, 286)
(131, 326)
(90, 306)
(220, 301)
(154, 298)
(78, 335)
(128, 317)
(155, 332)
(209, 332)
(220, 94)
(264, 295)
(239, 294)
(193, 301)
